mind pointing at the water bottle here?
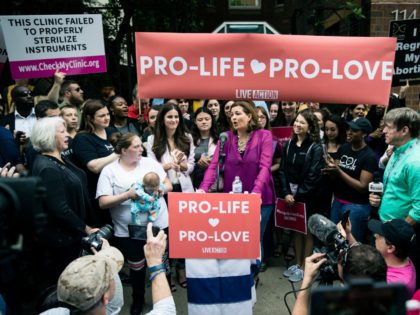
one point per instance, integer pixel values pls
(237, 185)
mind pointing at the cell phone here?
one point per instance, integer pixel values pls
(18, 135)
(345, 218)
(139, 232)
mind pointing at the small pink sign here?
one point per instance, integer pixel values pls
(282, 134)
(291, 217)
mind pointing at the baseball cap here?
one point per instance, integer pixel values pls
(360, 123)
(85, 280)
(396, 231)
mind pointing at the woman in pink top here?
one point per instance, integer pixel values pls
(249, 155)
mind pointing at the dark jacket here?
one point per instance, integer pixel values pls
(9, 151)
(67, 200)
(8, 120)
(311, 173)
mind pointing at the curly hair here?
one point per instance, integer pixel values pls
(313, 131)
(160, 141)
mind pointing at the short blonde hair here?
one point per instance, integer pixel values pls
(43, 133)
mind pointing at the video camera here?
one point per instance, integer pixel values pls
(22, 221)
(334, 245)
(21, 209)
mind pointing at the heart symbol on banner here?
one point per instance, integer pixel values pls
(257, 67)
(213, 222)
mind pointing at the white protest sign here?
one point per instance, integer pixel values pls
(38, 45)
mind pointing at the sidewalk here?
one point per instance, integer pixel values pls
(270, 293)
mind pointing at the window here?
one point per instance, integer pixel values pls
(244, 4)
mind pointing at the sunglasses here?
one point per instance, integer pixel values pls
(24, 93)
(76, 89)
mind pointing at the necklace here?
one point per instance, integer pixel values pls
(242, 143)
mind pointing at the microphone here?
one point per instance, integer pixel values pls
(222, 138)
(376, 187)
(323, 228)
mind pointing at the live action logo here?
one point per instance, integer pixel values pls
(257, 94)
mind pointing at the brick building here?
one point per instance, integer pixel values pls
(381, 14)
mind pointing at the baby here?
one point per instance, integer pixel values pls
(149, 192)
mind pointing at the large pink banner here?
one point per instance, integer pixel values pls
(265, 67)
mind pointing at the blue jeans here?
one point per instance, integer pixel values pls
(265, 216)
(359, 216)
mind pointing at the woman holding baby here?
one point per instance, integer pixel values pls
(116, 189)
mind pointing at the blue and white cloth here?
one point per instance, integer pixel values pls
(220, 286)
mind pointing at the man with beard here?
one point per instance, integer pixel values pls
(72, 94)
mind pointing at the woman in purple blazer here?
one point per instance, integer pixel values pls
(249, 155)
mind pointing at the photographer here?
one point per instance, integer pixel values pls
(393, 239)
(362, 261)
(89, 285)
(154, 250)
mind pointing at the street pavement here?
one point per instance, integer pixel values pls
(270, 293)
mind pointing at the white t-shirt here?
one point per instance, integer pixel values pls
(115, 180)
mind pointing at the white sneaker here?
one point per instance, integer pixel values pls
(297, 276)
(291, 270)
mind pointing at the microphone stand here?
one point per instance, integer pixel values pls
(220, 171)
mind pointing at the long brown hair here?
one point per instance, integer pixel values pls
(160, 141)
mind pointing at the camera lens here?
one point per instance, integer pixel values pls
(106, 232)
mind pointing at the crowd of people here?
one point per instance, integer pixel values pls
(94, 155)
